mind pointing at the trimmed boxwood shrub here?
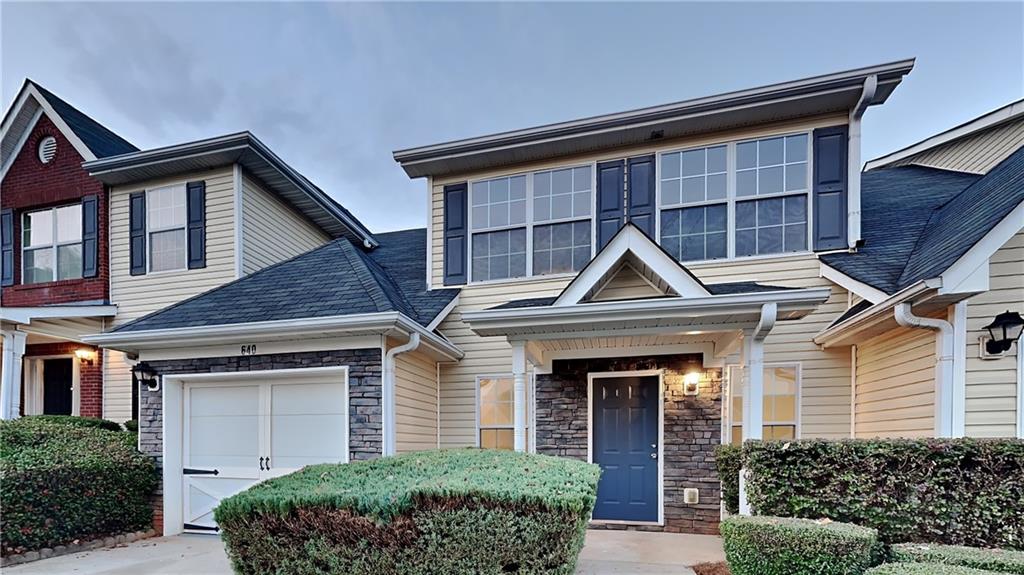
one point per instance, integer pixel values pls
(787, 546)
(1000, 560)
(952, 491)
(75, 420)
(132, 425)
(729, 462)
(61, 482)
(925, 569)
(446, 511)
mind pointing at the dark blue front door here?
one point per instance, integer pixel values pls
(625, 435)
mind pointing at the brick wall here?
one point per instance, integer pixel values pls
(90, 375)
(692, 431)
(364, 392)
(31, 184)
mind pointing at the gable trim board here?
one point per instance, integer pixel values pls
(21, 141)
(870, 293)
(30, 91)
(970, 272)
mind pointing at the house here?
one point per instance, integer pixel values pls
(141, 230)
(54, 287)
(631, 289)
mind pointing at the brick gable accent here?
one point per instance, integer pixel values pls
(31, 184)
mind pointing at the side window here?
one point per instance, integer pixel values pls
(781, 408)
(52, 244)
(495, 411)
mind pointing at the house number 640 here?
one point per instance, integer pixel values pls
(249, 349)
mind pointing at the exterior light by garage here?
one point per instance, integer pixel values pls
(146, 376)
(1004, 330)
(85, 355)
(691, 383)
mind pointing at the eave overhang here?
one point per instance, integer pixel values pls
(819, 95)
(242, 148)
(682, 315)
(25, 315)
(384, 323)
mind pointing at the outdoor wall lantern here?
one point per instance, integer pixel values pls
(691, 383)
(85, 355)
(1003, 331)
(146, 376)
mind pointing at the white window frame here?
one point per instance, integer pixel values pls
(150, 230)
(732, 383)
(476, 405)
(530, 224)
(53, 245)
(731, 199)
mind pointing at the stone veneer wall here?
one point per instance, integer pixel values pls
(692, 430)
(364, 393)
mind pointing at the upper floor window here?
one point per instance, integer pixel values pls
(531, 224)
(52, 244)
(165, 225)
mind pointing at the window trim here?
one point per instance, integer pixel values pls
(728, 423)
(54, 244)
(476, 406)
(731, 199)
(150, 231)
(529, 224)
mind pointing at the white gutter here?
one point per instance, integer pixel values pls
(943, 367)
(388, 392)
(873, 314)
(853, 162)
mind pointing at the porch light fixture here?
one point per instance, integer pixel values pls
(1003, 331)
(85, 355)
(146, 376)
(691, 383)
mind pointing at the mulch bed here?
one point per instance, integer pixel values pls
(711, 569)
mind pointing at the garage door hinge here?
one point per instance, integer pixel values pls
(190, 471)
(193, 526)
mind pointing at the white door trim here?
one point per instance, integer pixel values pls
(660, 373)
(173, 389)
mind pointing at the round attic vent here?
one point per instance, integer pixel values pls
(47, 149)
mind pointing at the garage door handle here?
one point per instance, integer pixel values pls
(268, 464)
(261, 464)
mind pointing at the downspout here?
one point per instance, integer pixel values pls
(388, 411)
(867, 95)
(943, 367)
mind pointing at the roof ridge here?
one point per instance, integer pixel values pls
(51, 96)
(366, 278)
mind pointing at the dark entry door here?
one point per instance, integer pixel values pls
(57, 374)
(625, 436)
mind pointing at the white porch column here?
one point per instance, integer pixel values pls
(10, 376)
(519, 394)
(753, 387)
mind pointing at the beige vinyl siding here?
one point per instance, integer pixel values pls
(271, 230)
(991, 394)
(626, 284)
(895, 394)
(415, 402)
(977, 153)
(117, 386)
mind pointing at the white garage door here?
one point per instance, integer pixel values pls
(237, 434)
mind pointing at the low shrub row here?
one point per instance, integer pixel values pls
(925, 569)
(73, 420)
(949, 491)
(999, 560)
(446, 511)
(786, 546)
(62, 480)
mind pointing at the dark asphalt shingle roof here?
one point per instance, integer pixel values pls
(101, 141)
(731, 288)
(854, 310)
(335, 279)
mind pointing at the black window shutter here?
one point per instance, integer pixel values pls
(90, 236)
(196, 209)
(830, 185)
(7, 247)
(640, 191)
(137, 233)
(455, 234)
(609, 200)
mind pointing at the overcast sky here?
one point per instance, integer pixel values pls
(335, 88)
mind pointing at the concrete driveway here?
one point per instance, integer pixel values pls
(606, 552)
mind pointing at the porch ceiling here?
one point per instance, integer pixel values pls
(712, 346)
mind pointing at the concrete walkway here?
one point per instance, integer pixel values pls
(605, 553)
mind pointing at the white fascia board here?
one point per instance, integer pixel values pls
(870, 293)
(293, 328)
(965, 275)
(880, 311)
(985, 121)
(27, 314)
(443, 313)
(9, 161)
(66, 130)
(787, 300)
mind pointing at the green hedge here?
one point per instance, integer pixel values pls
(132, 425)
(925, 569)
(786, 546)
(447, 511)
(61, 482)
(1000, 560)
(74, 420)
(729, 462)
(952, 491)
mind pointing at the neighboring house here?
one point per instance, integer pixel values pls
(546, 308)
(55, 272)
